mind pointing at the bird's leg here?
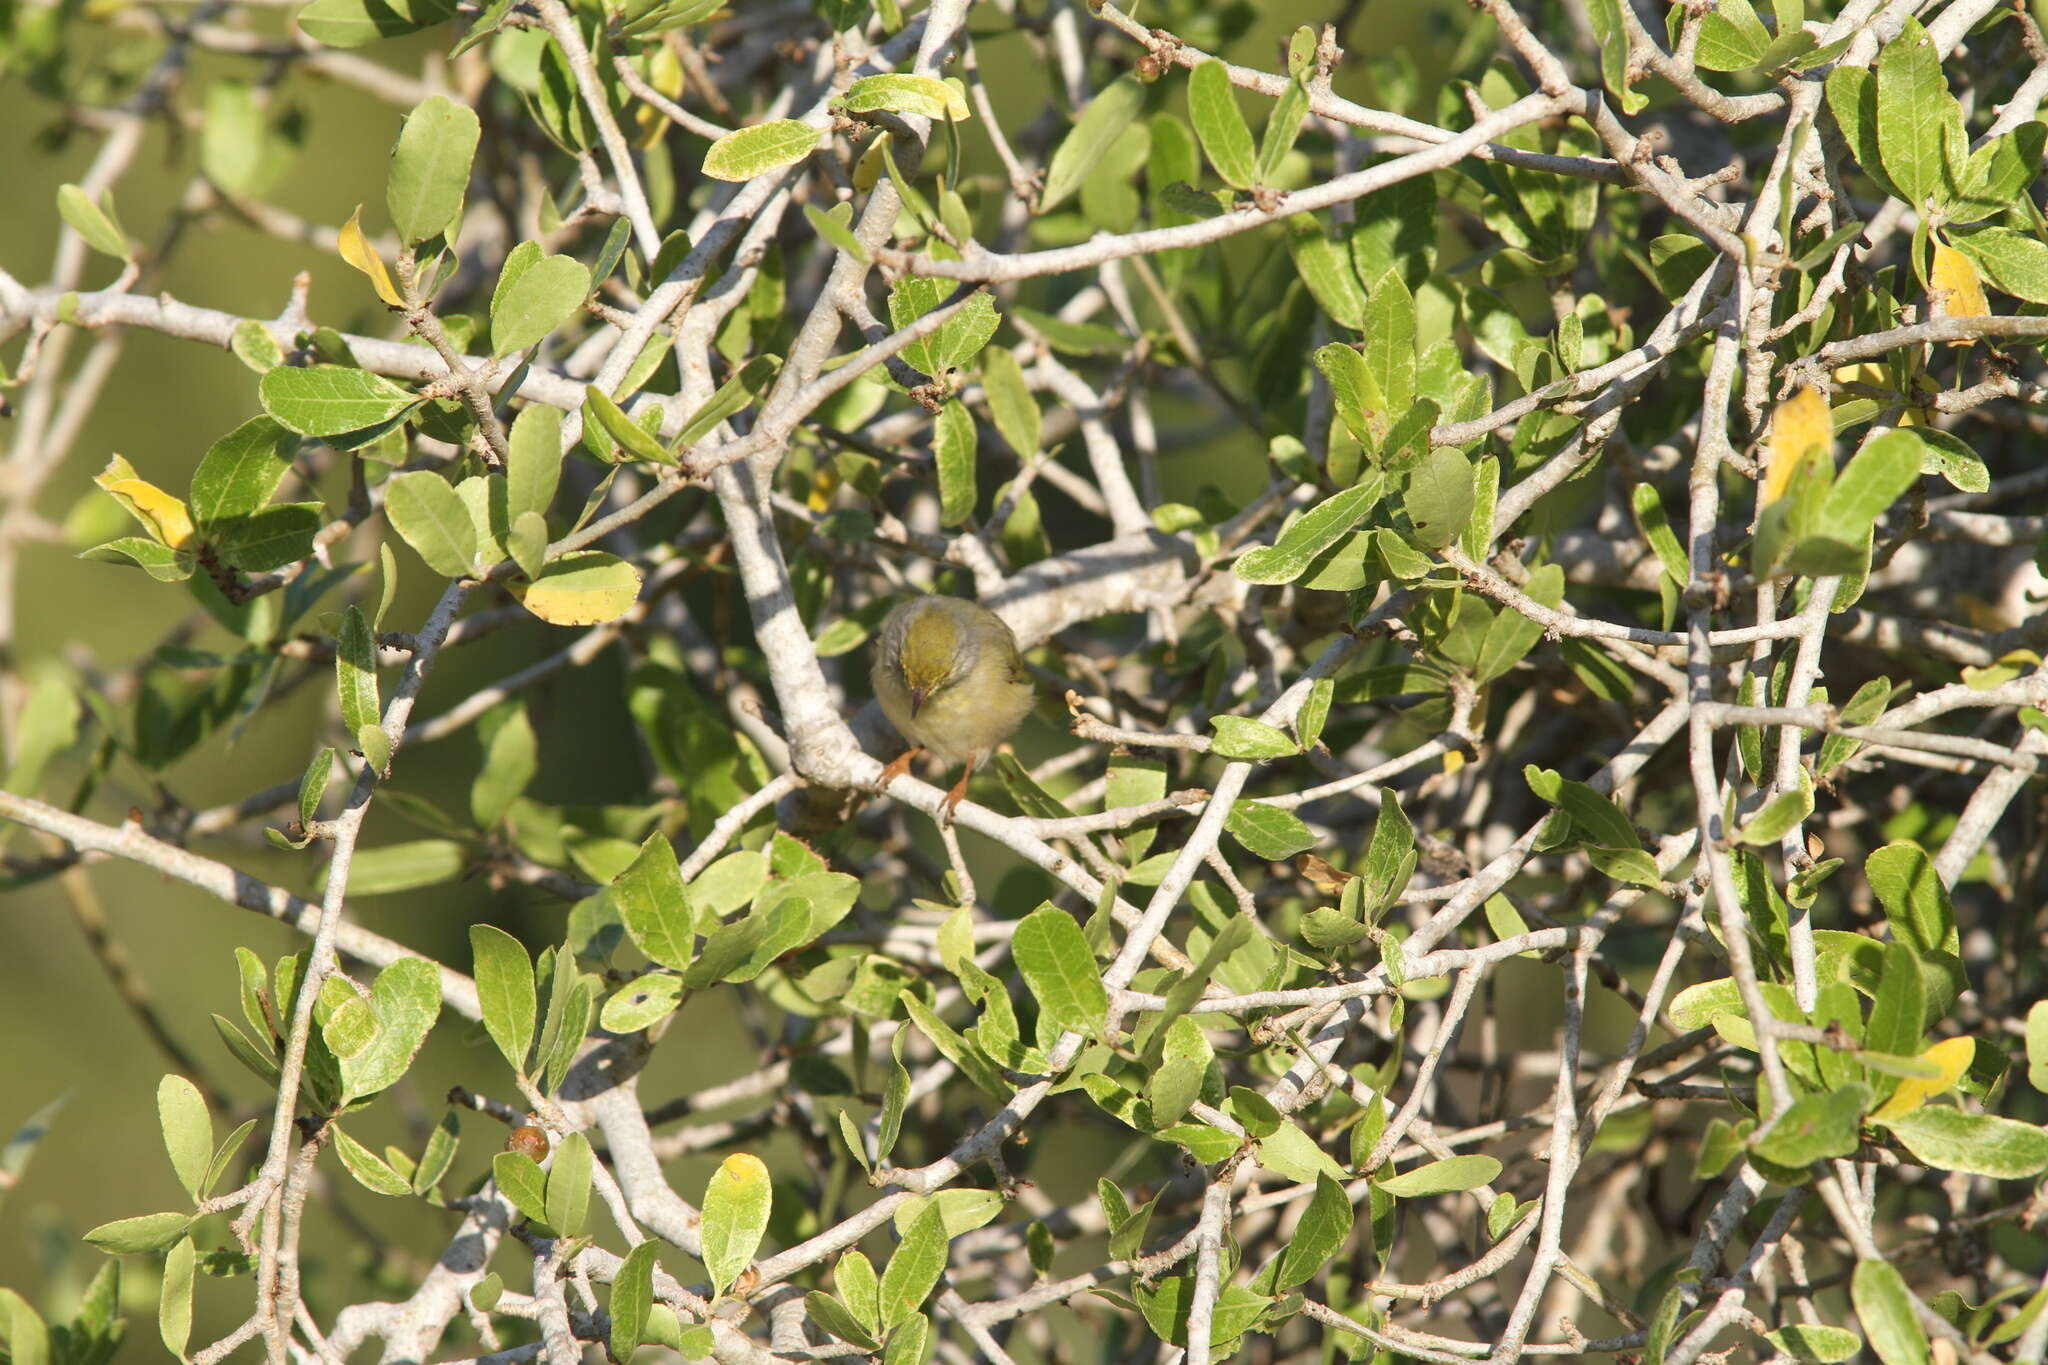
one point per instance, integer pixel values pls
(958, 794)
(900, 765)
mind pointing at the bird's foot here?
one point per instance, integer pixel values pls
(900, 765)
(955, 796)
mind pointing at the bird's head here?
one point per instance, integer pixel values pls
(934, 655)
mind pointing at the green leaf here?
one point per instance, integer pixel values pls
(1324, 1227)
(747, 152)
(953, 453)
(1815, 1127)
(1267, 831)
(745, 384)
(1779, 815)
(1282, 128)
(23, 1331)
(1816, 1342)
(271, 537)
(582, 588)
(1945, 454)
(484, 1295)
(836, 226)
(1732, 38)
(1913, 107)
(159, 561)
(355, 671)
(150, 1232)
(1072, 338)
(640, 1002)
(1240, 738)
(404, 866)
(2000, 171)
(1010, 404)
(430, 167)
(1884, 468)
(174, 1299)
(46, 726)
(1390, 344)
(654, 906)
(1605, 17)
(188, 1131)
(953, 1047)
(911, 1342)
(1884, 1305)
(1291, 1152)
(1389, 857)
(1439, 497)
(1165, 1306)
(2013, 262)
(1325, 268)
(1219, 123)
(1315, 531)
(526, 542)
(433, 520)
(520, 1180)
(405, 1000)
(352, 23)
(836, 1320)
(1897, 1012)
(1852, 99)
(860, 1289)
(632, 1297)
(1861, 709)
(1915, 902)
(238, 475)
(1057, 964)
(1112, 110)
(371, 1171)
(569, 1185)
(255, 347)
(1448, 1176)
(97, 224)
(505, 990)
(1977, 1144)
(544, 295)
(958, 340)
(442, 1144)
(511, 757)
(729, 883)
(331, 400)
(735, 1213)
(959, 1210)
(636, 440)
(895, 1098)
(2037, 1046)
(1510, 635)
(914, 1270)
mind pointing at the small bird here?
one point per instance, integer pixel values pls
(950, 679)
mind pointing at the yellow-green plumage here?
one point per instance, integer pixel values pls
(949, 677)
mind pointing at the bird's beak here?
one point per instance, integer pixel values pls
(917, 700)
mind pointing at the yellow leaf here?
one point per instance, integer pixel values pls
(869, 168)
(957, 110)
(162, 515)
(355, 248)
(1801, 425)
(1453, 760)
(665, 74)
(582, 588)
(826, 484)
(1952, 1055)
(1863, 372)
(1956, 290)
